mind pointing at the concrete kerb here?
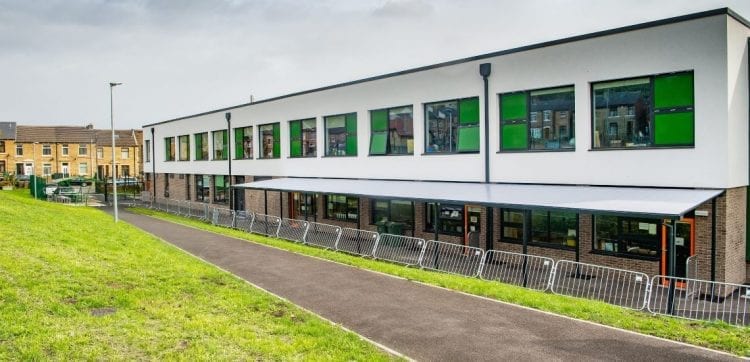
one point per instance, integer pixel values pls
(368, 340)
(432, 286)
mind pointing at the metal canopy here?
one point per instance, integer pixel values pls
(652, 202)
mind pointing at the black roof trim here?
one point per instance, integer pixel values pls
(624, 29)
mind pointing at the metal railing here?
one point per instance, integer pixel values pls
(621, 287)
(452, 258)
(528, 271)
(243, 220)
(355, 241)
(700, 300)
(323, 235)
(265, 225)
(292, 230)
(222, 217)
(399, 249)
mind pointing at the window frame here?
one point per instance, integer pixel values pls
(46, 149)
(390, 212)
(302, 139)
(2, 146)
(327, 201)
(65, 151)
(657, 257)
(276, 138)
(146, 153)
(224, 147)
(653, 111)
(19, 149)
(349, 135)
(204, 149)
(180, 156)
(459, 125)
(239, 144)
(83, 149)
(169, 149)
(428, 221)
(225, 190)
(527, 227)
(388, 150)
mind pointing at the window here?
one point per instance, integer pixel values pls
(220, 189)
(146, 151)
(83, 169)
(270, 143)
(169, 149)
(397, 211)
(557, 229)
(19, 149)
(220, 144)
(392, 131)
(512, 222)
(201, 146)
(125, 152)
(303, 205)
(46, 150)
(46, 169)
(243, 143)
(627, 236)
(65, 150)
(100, 151)
(341, 207)
(654, 111)
(125, 170)
(551, 120)
(452, 126)
(166, 184)
(302, 138)
(450, 219)
(201, 188)
(341, 135)
(2, 146)
(83, 149)
(184, 154)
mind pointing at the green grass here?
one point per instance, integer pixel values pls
(73, 286)
(715, 335)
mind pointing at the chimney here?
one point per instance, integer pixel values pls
(90, 126)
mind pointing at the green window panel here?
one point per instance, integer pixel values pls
(468, 139)
(276, 140)
(225, 147)
(515, 137)
(378, 143)
(379, 120)
(468, 111)
(673, 90)
(295, 137)
(198, 147)
(219, 181)
(674, 129)
(239, 134)
(351, 134)
(514, 106)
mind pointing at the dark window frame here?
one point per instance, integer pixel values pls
(204, 149)
(347, 198)
(457, 120)
(429, 220)
(275, 146)
(302, 138)
(239, 144)
(388, 147)
(348, 134)
(526, 226)
(169, 149)
(224, 147)
(620, 236)
(224, 191)
(186, 156)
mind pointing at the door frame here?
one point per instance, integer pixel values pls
(664, 261)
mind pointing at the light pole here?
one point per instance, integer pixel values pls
(112, 123)
(33, 169)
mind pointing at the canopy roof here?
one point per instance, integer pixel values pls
(651, 202)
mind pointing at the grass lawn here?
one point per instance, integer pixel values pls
(715, 335)
(75, 286)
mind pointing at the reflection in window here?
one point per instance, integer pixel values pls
(397, 211)
(169, 149)
(303, 205)
(220, 189)
(269, 140)
(201, 146)
(184, 149)
(450, 219)
(220, 145)
(302, 138)
(551, 119)
(202, 188)
(627, 236)
(341, 135)
(243, 143)
(554, 228)
(392, 131)
(341, 207)
(622, 114)
(512, 225)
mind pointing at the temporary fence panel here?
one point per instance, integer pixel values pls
(222, 217)
(323, 235)
(265, 224)
(528, 271)
(621, 287)
(452, 258)
(292, 230)
(700, 300)
(173, 206)
(243, 220)
(399, 249)
(355, 241)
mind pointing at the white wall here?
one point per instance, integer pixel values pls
(719, 158)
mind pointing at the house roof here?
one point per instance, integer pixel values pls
(7, 130)
(77, 134)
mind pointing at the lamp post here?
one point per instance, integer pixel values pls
(112, 124)
(33, 169)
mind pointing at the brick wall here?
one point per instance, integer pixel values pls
(733, 248)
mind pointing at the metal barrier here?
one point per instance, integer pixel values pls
(700, 300)
(452, 258)
(528, 271)
(621, 287)
(400, 249)
(243, 220)
(323, 235)
(222, 217)
(292, 230)
(355, 241)
(265, 225)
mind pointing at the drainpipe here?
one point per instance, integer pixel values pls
(228, 116)
(484, 70)
(153, 163)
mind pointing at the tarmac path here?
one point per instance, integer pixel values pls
(422, 322)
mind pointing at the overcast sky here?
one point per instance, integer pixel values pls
(180, 57)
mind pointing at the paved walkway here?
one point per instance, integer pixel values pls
(422, 322)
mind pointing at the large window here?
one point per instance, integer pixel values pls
(303, 205)
(341, 135)
(46, 150)
(125, 152)
(270, 142)
(302, 140)
(220, 144)
(201, 146)
(452, 126)
(450, 219)
(547, 228)
(397, 211)
(221, 189)
(146, 151)
(83, 169)
(538, 120)
(202, 190)
(627, 236)
(243, 143)
(652, 111)
(169, 149)
(392, 131)
(83, 149)
(184, 149)
(341, 207)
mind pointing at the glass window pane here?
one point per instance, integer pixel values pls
(622, 114)
(563, 227)
(442, 126)
(512, 225)
(268, 138)
(401, 131)
(378, 143)
(335, 135)
(551, 121)
(309, 138)
(540, 227)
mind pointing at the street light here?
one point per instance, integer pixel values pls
(33, 169)
(112, 123)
